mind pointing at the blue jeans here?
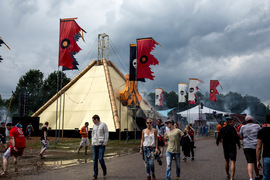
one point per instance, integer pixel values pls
(98, 154)
(169, 157)
(149, 157)
(266, 168)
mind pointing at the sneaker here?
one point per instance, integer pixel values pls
(41, 156)
(185, 159)
(153, 177)
(94, 177)
(228, 177)
(148, 178)
(177, 178)
(4, 174)
(105, 173)
(232, 179)
(192, 159)
(259, 177)
(16, 170)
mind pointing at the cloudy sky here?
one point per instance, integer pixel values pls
(225, 40)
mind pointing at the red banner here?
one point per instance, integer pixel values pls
(144, 58)
(213, 90)
(67, 42)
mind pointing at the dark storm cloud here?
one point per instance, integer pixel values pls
(224, 40)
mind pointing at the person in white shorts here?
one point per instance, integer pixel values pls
(85, 140)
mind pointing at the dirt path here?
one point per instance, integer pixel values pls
(208, 164)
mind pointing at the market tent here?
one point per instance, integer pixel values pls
(193, 113)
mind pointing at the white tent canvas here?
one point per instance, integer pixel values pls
(193, 113)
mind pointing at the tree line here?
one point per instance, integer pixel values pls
(232, 102)
(37, 90)
(32, 91)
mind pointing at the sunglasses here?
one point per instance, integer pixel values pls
(148, 122)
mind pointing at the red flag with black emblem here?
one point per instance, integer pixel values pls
(144, 58)
(213, 90)
(69, 34)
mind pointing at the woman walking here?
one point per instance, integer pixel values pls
(148, 148)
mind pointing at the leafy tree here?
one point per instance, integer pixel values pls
(171, 99)
(235, 103)
(50, 84)
(31, 85)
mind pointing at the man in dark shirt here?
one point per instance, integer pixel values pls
(263, 139)
(44, 140)
(3, 134)
(230, 139)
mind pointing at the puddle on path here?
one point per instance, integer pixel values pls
(72, 162)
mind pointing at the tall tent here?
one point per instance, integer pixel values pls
(95, 90)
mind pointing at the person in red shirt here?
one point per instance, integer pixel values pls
(16, 148)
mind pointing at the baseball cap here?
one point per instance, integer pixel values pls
(169, 121)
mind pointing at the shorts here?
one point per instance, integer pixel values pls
(84, 141)
(29, 132)
(10, 152)
(45, 145)
(229, 154)
(3, 140)
(250, 155)
(160, 141)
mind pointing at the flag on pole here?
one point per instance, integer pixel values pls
(69, 34)
(133, 63)
(159, 97)
(213, 90)
(193, 88)
(182, 92)
(144, 58)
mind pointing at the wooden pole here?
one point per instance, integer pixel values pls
(63, 115)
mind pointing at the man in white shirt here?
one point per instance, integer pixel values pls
(100, 136)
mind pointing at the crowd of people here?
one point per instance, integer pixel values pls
(153, 142)
(100, 136)
(254, 138)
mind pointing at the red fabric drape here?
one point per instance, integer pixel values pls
(67, 43)
(144, 58)
(213, 90)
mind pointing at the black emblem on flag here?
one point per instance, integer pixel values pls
(212, 91)
(65, 43)
(182, 93)
(143, 59)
